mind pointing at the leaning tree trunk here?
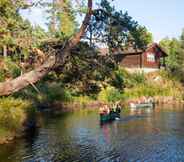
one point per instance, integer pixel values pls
(12, 86)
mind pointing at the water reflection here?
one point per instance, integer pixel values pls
(140, 135)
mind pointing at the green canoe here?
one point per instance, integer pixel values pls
(109, 117)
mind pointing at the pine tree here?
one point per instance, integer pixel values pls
(62, 18)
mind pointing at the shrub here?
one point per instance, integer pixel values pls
(150, 89)
(12, 67)
(49, 92)
(131, 79)
(13, 112)
(138, 78)
(55, 92)
(118, 79)
(110, 94)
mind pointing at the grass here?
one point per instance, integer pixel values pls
(13, 114)
(155, 84)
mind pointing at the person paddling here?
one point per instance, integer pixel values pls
(118, 107)
(104, 110)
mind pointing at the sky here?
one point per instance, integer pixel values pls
(163, 18)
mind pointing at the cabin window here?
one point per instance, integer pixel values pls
(150, 57)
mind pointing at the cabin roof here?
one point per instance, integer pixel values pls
(159, 47)
(132, 51)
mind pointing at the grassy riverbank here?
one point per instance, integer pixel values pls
(14, 115)
(158, 84)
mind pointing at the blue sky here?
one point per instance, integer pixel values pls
(161, 17)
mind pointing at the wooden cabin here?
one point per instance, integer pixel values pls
(151, 58)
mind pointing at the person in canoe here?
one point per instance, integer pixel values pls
(118, 107)
(104, 110)
(116, 110)
(106, 114)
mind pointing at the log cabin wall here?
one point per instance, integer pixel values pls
(150, 58)
(129, 60)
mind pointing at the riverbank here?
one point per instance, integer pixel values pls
(16, 115)
(59, 107)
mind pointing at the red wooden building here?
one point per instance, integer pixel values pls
(153, 57)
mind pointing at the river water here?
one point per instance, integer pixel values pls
(149, 135)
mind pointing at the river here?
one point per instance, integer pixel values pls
(149, 135)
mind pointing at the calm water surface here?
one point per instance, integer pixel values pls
(140, 136)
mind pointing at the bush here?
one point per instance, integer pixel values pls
(13, 69)
(130, 80)
(110, 94)
(49, 92)
(150, 89)
(167, 75)
(55, 92)
(138, 78)
(13, 112)
(118, 79)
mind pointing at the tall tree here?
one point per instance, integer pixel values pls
(62, 18)
(17, 35)
(116, 29)
(175, 57)
(53, 61)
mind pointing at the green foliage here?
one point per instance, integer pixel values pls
(117, 29)
(13, 69)
(110, 94)
(138, 78)
(175, 54)
(13, 113)
(87, 71)
(49, 92)
(62, 19)
(82, 100)
(118, 80)
(13, 29)
(168, 76)
(131, 79)
(56, 92)
(142, 36)
(18, 36)
(2, 75)
(9, 69)
(175, 60)
(154, 90)
(144, 90)
(142, 85)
